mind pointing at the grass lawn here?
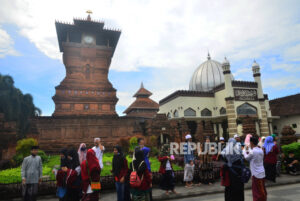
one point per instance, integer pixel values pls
(14, 175)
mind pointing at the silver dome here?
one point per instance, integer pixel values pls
(207, 76)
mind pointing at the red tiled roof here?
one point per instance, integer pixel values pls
(142, 103)
(142, 92)
(286, 106)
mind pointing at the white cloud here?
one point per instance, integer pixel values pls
(290, 82)
(291, 67)
(293, 53)
(170, 35)
(166, 34)
(6, 44)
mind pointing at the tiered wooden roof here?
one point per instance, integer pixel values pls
(143, 106)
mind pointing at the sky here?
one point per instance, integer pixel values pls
(161, 44)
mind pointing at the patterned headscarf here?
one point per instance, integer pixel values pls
(269, 143)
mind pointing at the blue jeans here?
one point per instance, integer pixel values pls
(120, 190)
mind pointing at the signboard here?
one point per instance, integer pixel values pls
(245, 94)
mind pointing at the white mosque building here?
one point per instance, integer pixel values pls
(218, 105)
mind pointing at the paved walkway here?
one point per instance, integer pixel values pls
(183, 192)
(276, 193)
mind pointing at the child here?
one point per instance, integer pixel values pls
(291, 164)
(166, 169)
(189, 173)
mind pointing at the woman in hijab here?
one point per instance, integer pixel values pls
(141, 193)
(90, 172)
(261, 142)
(119, 170)
(63, 157)
(234, 191)
(168, 179)
(73, 177)
(271, 151)
(82, 152)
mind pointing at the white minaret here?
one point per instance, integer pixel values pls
(256, 75)
(227, 78)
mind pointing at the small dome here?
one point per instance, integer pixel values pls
(255, 65)
(207, 76)
(225, 62)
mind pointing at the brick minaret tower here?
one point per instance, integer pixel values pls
(87, 49)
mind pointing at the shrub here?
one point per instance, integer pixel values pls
(24, 146)
(43, 156)
(153, 141)
(154, 151)
(133, 143)
(294, 147)
(23, 150)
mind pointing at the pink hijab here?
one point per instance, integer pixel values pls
(247, 140)
(82, 154)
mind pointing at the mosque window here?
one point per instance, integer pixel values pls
(222, 111)
(86, 106)
(176, 113)
(189, 112)
(206, 113)
(169, 115)
(246, 109)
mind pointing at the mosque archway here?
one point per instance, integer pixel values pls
(246, 109)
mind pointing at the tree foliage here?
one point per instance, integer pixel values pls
(15, 105)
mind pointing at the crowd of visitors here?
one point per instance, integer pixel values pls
(78, 177)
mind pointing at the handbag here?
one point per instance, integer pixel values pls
(61, 192)
(95, 185)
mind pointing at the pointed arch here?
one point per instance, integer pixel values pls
(175, 113)
(189, 112)
(222, 111)
(206, 113)
(169, 115)
(246, 109)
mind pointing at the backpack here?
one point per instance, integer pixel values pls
(245, 173)
(134, 180)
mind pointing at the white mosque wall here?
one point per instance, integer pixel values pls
(287, 121)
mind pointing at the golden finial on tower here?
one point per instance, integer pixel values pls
(89, 12)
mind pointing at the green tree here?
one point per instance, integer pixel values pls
(16, 106)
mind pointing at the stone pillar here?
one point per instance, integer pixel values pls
(271, 127)
(220, 130)
(264, 129)
(257, 128)
(231, 116)
(215, 129)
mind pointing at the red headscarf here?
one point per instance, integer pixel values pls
(93, 164)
